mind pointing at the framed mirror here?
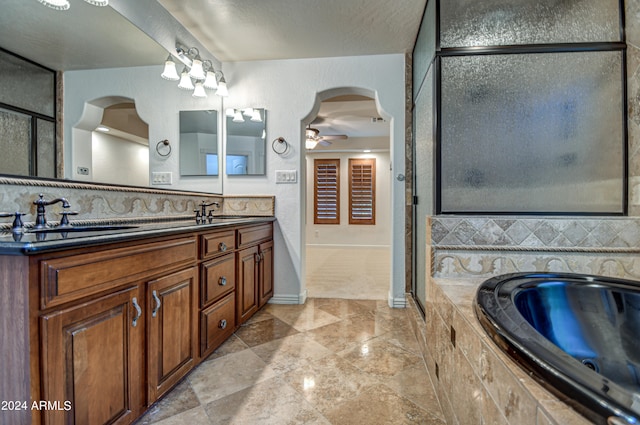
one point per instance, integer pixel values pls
(199, 143)
(245, 152)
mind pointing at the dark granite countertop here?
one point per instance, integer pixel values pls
(28, 242)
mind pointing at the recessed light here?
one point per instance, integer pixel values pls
(366, 150)
(102, 128)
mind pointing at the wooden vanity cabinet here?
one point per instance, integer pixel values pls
(111, 328)
(255, 270)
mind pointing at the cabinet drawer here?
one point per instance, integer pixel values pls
(214, 244)
(250, 235)
(217, 277)
(217, 323)
(71, 278)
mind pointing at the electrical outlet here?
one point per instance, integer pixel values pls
(83, 170)
(161, 177)
(286, 176)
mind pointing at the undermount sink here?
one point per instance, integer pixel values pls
(66, 229)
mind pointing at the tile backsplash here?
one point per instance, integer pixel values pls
(106, 203)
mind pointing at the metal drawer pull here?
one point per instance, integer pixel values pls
(138, 312)
(222, 324)
(256, 257)
(158, 304)
(222, 281)
(222, 246)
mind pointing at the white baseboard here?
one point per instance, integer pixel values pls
(397, 302)
(289, 298)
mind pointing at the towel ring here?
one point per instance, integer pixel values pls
(280, 146)
(162, 143)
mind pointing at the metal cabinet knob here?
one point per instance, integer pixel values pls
(222, 246)
(222, 324)
(222, 281)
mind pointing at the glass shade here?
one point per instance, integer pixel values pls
(199, 91)
(237, 117)
(56, 4)
(98, 2)
(170, 73)
(222, 88)
(210, 81)
(185, 81)
(311, 143)
(196, 72)
(255, 116)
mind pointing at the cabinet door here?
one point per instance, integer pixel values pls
(92, 358)
(265, 272)
(172, 330)
(247, 296)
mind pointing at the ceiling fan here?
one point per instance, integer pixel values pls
(313, 138)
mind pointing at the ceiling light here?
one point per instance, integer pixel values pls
(255, 116)
(237, 117)
(56, 4)
(102, 128)
(170, 73)
(222, 87)
(98, 2)
(311, 143)
(185, 81)
(199, 90)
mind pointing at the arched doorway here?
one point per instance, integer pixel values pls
(348, 255)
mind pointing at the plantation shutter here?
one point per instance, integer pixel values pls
(327, 191)
(362, 191)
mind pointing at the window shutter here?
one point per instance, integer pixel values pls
(362, 191)
(327, 191)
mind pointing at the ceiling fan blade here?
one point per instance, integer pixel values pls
(334, 137)
(318, 120)
(324, 143)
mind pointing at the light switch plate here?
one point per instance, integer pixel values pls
(286, 176)
(161, 177)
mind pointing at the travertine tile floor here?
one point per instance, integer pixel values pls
(329, 361)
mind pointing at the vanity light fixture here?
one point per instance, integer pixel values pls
(170, 73)
(197, 74)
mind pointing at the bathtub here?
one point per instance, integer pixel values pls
(578, 334)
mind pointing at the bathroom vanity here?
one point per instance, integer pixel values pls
(99, 325)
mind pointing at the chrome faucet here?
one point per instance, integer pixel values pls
(41, 221)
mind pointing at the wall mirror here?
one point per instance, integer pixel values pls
(88, 44)
(246, 141)
(199, 143)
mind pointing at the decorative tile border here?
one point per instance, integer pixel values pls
(463, 247)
